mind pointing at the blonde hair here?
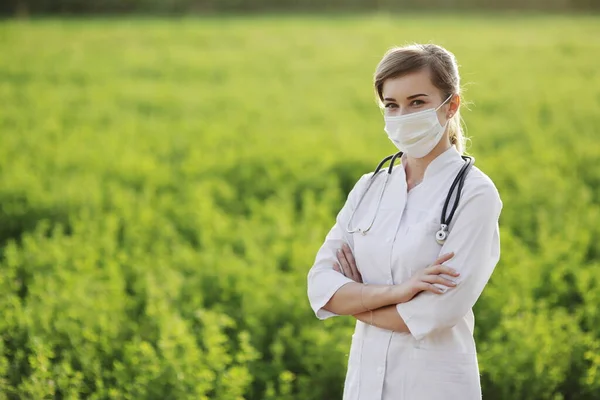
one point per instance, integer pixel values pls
(400, 61)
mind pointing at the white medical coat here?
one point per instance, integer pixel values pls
(437, 359)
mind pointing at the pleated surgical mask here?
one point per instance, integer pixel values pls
(418, 133)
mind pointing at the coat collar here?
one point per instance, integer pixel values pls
(439, 164)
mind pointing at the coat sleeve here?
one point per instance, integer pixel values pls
(475, 241)
(323, 280)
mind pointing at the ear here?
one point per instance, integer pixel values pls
(453, 106)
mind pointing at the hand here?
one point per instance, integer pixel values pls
(424, 279)
(346, 264)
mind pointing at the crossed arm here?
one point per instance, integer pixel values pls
(336, 288)
(377, 305)
(385, 317)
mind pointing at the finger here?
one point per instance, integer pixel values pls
(352, 263)
(343, 262)
(336, 267)
(438, 279)
(349, 256)
(346, 263)
(442, 269)
(443, 258)
(428, 287)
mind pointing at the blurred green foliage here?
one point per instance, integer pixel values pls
(165, 184)
(70, 7)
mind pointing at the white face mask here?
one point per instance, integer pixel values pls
(418, 133)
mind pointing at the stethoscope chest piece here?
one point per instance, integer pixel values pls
(442, 234)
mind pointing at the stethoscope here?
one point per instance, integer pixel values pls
(457, 184)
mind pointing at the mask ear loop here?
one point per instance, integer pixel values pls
(440, 106)
(444, 102)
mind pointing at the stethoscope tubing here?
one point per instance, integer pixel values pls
(457, 184)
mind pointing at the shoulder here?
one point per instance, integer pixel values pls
(382, 172)
(479, 185)
(367, 177)
(364, 187)
(362, 182)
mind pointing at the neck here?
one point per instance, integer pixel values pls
(415, 167)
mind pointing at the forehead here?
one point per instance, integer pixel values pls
(407, 85)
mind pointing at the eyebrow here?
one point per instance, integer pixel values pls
(414, 96)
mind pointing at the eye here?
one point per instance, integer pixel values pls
(416, 103)
(391, 105)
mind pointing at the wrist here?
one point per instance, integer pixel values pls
(401, 293)
(373, 297)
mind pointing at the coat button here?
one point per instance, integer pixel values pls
(380, 370)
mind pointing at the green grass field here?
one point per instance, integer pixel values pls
(165, 184)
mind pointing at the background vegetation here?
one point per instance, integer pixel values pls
(24, 7)
(165, 184)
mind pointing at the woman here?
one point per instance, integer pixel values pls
(412, 297)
